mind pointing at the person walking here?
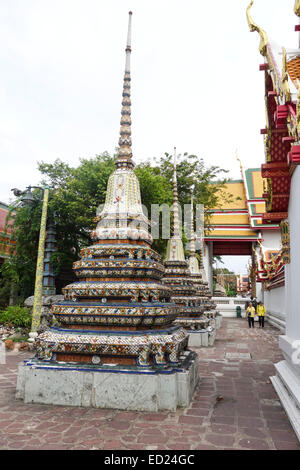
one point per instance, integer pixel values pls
(251, 314)
(261, 312)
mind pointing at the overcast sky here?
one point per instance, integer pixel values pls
(195, 80)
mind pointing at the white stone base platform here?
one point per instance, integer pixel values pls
(201, 338)
(287, 382)
(277, 319)
(139, 390)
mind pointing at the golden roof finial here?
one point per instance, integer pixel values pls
(254, 27)
(297, 7)
(240, 162)
(285, 79)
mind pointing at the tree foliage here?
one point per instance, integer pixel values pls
(75, 195)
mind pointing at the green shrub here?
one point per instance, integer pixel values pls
(16, 316)
(19, 339)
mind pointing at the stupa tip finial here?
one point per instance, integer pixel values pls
(125, 153)
(128, 44)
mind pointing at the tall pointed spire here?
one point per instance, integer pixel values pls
(124, 158)
(176, 229)
(175, 251)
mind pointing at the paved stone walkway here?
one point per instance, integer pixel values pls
(235, 407)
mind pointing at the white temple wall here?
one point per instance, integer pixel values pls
(275, 303)
(293, 269)
(271, 239)
(287, 379)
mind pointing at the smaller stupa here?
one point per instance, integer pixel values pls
(219, 291)
(185, 293)
(198, 276)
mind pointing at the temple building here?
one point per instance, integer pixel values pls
(185, 281)
(279, 268)
(115, 344)
(237, 227)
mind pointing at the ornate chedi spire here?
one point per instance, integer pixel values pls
(124, 158)
(175, 251)
(198, 276)
(119, 312)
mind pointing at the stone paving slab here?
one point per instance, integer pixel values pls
(234, 407)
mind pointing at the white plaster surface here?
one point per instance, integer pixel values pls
(293, 269)
(201, 338)
(275, 302)
(287, 385)
(287, 379)
(226, 306)
(124, 391)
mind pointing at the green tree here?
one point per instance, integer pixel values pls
(76, 193)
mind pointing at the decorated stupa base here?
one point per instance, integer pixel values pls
(115, 327)
(191, 306)
(209, 306)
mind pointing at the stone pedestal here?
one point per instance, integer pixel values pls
(108, 387)
(201, 338)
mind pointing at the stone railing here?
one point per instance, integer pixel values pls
(227, 305)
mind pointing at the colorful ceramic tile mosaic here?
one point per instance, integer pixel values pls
(189, 292)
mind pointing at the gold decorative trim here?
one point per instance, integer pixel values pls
(285, 240)
(285, 79)
(297, 7)
(254, 27)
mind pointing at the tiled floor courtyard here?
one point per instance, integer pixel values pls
(235, 407)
